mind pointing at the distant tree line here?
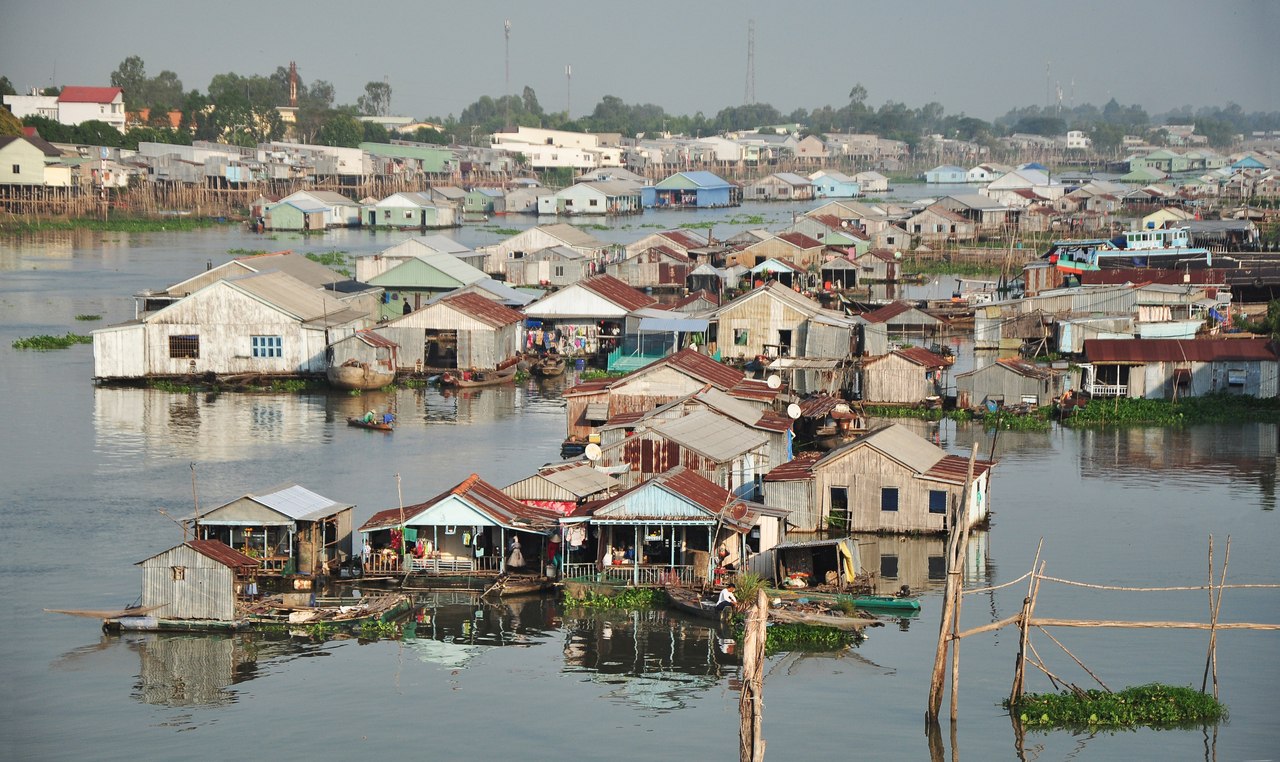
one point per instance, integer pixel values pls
(243, 110)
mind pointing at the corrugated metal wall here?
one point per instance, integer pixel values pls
(893, 379)
(206, 590)
(796, 497)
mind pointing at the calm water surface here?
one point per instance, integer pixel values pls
(84, 471)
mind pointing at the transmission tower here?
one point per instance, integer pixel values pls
(568, 96)
(506, 93)
(749, 95)
(1048, 88)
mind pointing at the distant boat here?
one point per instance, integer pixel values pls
(551, 365)
(468, 379)
(374, 425)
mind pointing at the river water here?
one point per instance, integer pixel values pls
(85, 471)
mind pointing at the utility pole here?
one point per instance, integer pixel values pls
(749, 94)
(506, 99)
(568, 102)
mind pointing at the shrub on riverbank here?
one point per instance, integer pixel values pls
(52, 342)
(117, 224)
(625, 598)
(1004, 421)
(1154, 704)
(1212, 408)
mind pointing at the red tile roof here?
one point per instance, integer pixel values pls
(800, 240)
(617, 292)
(74, 94)
(798, 469)
(954, 469)
(1178, 350)
(223, 554)
(484, 310)
(478, 493)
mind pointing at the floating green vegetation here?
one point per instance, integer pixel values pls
(935, 267)
(354, 392)
(373, 629)
(270, 627)
(1212, 408)
(920, 413)
(591, 226)
(799, 637)
(521, 375)
(169, 386)
(650, 225)
(1038, 421)
(88, 318)
(389, 388)
(414, 383)
(246, 252)
(504, 231)
(319, 630)
(118, 224)
(296, 385)
(625, 598)
(1154, 705)
(596, 375)
(46, 341)
(334, 260)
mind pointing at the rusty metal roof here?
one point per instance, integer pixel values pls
(685, 238)
(701, 367)
(617, 292)
(953, 469)
(896, 442)
(695, 296)
(887, 312)
(625, 419)
(797, 469)
(374, 340)
(479, 494)
(1178, 350)
(670, 252)
(922, 356)
(818, 405)
(589, 387)
(1163, 277)
(801, 241)
(484, 310)
(751, 389)
(223, 554)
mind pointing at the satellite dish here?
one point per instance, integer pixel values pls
(774, 381)
(593, 451)
(739, 512)
(897, 255)
(793, 411)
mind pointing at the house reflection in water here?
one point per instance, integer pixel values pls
(451, 629)
(650, 660)
(190, 671)
(919, 562)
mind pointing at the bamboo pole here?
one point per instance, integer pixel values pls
(1073, 656)
(751, 745)
(962, 526)
(1028, 604)
(938, 679)
(1151, 625)
(1214, 608)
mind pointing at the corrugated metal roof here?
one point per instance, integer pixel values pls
(922, 356)
(596, 411)
(818, 405)
(1179, 350)
(373, 339)
(686, 239)
(484, 310)
(712, 435)
(581, 479)
(695, 296)
(799, 468)
(573, 236)
(480, 495)
(800, 240)
(293, 296)
(617, 292)
(954, 469)
(896, 442)
(700, 367)
(298, 503)
(223, 554)
(623, 420)
(306, 270)
(750, 389)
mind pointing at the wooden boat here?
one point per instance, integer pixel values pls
(478, 378)
(375, 426)
(549, 366)
(343, 612)
(819, 620)
(513, 586)
(888, 602)
(690, 602)
(358, 375)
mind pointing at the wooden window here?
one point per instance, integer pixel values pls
(17, 169)
(179, 573)
(184, 347)
(267, 346)
(888, 567)
(938, 501)
(889, 499)
(560, 271)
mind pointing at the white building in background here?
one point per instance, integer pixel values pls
(550, 149)
(1077, 139)
(74, 106)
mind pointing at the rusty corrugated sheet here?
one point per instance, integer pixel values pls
(954, 469)
(484, 310)
(1178, 350)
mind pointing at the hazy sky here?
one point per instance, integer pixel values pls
(981, 58)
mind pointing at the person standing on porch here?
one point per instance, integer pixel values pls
(515, 559)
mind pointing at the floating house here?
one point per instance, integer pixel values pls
(937, 223)
(593, 198)
(669, 530)
(904, 377)
(191, 587)
(879, 266)
(373, 265)
(289, 529)
(680, 240)
(793, 247)
(341, 211)
(484, 201)
(775, 321)
(556, 266)
(889, 480)
(298, 214)
(457, 331)
(1165, 368)
(906, 318)
(408, 210)
(829, 184)
(539, 238)
(592, 313)
(780, 186)
(417, 279)
(563, 487)
(463, 530)
(947, 173)
(692, 189)
(655, 267)
(1010, 381)
(267, 323)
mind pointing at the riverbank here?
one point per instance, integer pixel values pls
(116, 224)
(1214, 408)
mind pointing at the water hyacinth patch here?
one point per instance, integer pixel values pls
(1152, 705)
(52, 342)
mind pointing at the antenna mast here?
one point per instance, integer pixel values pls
(293, 84)
(506, 30)
(749, 94)
(196, 499)
(568, 107)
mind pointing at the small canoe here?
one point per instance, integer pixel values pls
(482, 378)
(360, 423)
(690, 602)
(886, 602)
(819, 620)
(509, 588)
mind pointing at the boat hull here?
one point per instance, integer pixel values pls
(352, 377)
(371, 426)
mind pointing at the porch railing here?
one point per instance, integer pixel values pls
(573, 571)
(1109, 390)
(650, 575)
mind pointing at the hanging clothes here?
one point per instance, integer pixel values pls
(410, 535)
(516, 558)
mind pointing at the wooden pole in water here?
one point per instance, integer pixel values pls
(938, 680)
(1019, 669)
(1214, 608)
(961, 547)
(750, 702)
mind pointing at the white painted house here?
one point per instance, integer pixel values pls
(343, 212)
(83, 104)
(268, 323)
(539, 238)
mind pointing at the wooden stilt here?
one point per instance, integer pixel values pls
(750, 703)
(962, 547)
